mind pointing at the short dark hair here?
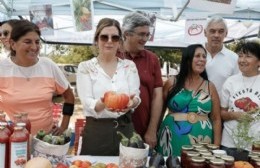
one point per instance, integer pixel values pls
(21, 28)
(249, 46)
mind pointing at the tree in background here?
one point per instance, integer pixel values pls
(71, 54)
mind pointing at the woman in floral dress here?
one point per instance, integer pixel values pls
(193, 106)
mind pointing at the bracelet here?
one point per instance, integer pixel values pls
(68, 109)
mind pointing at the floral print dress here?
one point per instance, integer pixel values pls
(173, 134)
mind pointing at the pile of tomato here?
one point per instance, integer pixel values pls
(87, 164)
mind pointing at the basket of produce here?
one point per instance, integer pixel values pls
(133, 152)
(54, 148)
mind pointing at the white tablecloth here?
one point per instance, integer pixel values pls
(95, 159)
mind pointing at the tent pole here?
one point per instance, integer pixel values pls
(179, 14)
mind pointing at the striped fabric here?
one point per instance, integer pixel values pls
(30, 89)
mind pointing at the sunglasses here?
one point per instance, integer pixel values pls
(4, 33)
(105, 38)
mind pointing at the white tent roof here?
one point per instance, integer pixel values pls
(168, 33)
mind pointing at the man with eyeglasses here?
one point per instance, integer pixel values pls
(136, 32)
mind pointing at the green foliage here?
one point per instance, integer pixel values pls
(71, 54)
(241, 133)
(173, 56)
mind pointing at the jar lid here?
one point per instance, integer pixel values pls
(17, 115)
(192, 153)
(203, 143)
(197, 145)
(21, 124)
(252, 155)
(198, 159)
(202, 149)
(187, 147)
(18, 128)
(205, 153)
(217, 161)
(212, 146)
(209, 157)
(256, 159)
(228, 158)
(256, 153)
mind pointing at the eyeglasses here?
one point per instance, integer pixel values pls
(105, 38)
(4, 33)
(143, 35)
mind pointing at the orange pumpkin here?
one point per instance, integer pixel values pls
(116, 101)
(243, 164)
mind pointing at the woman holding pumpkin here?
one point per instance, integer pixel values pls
(96, 79)
(240, 96)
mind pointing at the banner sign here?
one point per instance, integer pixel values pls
(41, 15)
(82, 12)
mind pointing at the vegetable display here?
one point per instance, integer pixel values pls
(135, 141)
(55, 140)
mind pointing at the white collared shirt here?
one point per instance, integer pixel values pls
(93, 82)
(221, 66)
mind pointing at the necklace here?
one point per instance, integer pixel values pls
(27, 72)
(250, 85)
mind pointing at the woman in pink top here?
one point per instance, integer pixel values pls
(28, 81)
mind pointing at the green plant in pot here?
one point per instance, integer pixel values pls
(242, 135)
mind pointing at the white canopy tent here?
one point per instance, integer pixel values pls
(244, 22)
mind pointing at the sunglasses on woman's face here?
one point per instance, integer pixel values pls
(4, 33)
(105, 38)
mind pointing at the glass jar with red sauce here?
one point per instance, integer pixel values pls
(202, 149)
(184, 150)
(257, 165)
(190, 154)
(18, 148)
(23, 125)
(197, 162)
(208, 158)
(229, 161)
(205, 153)
(26, 120)
(216, 163)
(255, 161)
(4, 148)
(251, 157)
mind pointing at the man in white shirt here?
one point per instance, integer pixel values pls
(221, 62)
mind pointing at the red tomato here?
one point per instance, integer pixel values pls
(77, 163)
(61, 165)
(85, 164)
(116, 101)
(111, 165)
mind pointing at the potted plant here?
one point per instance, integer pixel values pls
(242, 135)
